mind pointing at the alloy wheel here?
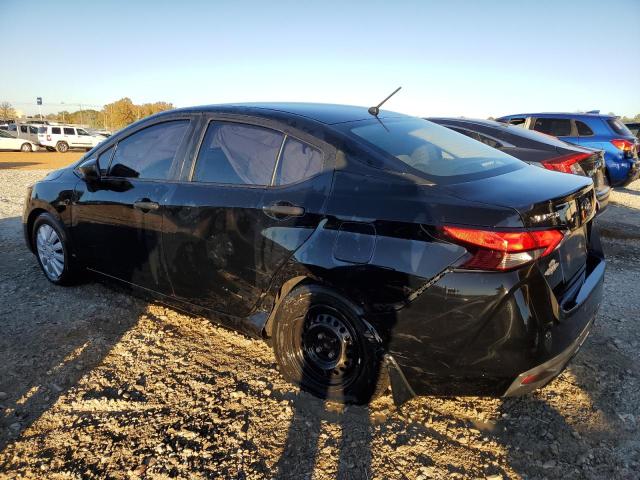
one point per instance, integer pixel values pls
(50, 251)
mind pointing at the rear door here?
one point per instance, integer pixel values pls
(214, 219)
(256, 192)
(118, 220)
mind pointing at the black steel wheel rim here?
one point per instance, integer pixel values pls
(329, 353)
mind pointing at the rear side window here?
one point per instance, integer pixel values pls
(619, 127)
(149, 153)
(517, 121)
(583, 129)
(297, 162)
(237, 154)
(69, 131)
(55, 130)
(558, 127)
(24, 129)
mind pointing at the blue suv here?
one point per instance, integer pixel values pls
(593, 130)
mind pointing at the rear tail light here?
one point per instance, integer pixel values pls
(624, 145)
(567, 163)
(493, 250)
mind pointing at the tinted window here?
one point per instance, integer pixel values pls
(619, 127)
(69, 131)
(42, 129)
(103, 160)
(558, 127)
(55, 130)
(13, 128)
(517, 121)
(149, 153)
(439, 153)
(33, 129)
(297, 162)
(583, 129)
(237, 154)
(24, 129)
(489, 141)
(81, 131)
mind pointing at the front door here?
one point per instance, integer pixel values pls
(118, 220)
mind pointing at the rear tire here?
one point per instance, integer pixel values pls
(51, 245)
(62, 147)
(26, 147)
(322, 344)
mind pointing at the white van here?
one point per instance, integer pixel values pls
(64, 137)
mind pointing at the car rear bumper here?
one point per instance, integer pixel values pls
(474, 333)
(539, 376)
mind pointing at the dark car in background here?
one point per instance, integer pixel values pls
(592, 130)
(361, 247)
(634, 127)
(537, 149)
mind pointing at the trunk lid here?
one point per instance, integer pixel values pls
(544, 199)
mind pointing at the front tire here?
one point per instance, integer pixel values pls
(51, 245)
(62, 147)
(26, 147)
(323, 345)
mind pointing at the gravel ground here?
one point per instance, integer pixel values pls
(97, 384)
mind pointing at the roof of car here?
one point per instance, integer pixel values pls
(477, 121)
(560, 114)
(329, 114)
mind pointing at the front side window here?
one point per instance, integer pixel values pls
(69, 131)
(149, 153)
(558, 127)
(438, 153)
(237, 154)
(33, 129)
(298, 161)
(81, 132)
(55, 131)
(42, 129)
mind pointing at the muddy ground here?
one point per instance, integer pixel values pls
(97, 384)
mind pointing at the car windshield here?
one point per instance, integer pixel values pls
(437, 153)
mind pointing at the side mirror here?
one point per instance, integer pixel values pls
(90, 171)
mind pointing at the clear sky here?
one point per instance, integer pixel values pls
(452, 57)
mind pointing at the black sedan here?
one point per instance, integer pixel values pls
(537, 149)
(366, 248)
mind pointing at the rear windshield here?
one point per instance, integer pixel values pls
(437, 153)
(619, 127)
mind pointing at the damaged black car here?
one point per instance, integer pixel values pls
(368, 248)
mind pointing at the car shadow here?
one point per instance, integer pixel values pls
(51, 335)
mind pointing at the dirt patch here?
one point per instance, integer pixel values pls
(97, 384)
(40, 160)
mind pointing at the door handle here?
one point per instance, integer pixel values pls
(145, 205)
(281, 210)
